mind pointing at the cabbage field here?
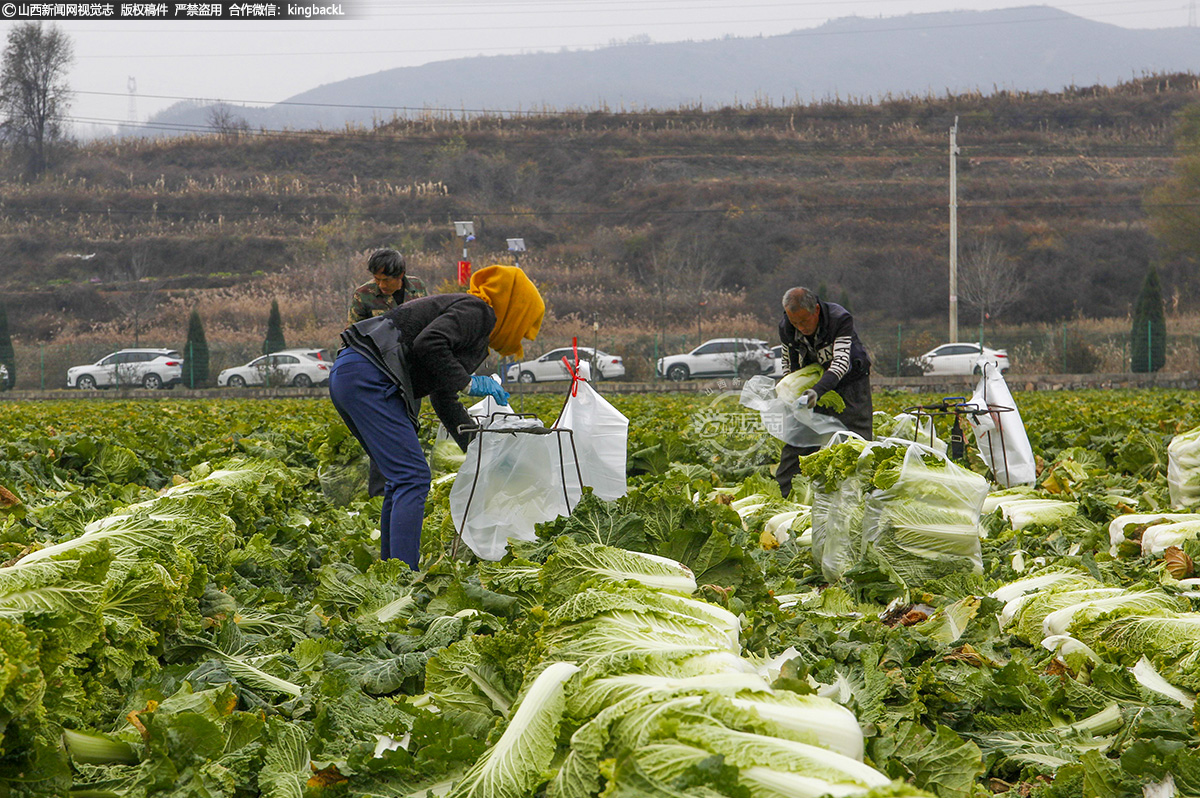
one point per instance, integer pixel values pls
(192, 604)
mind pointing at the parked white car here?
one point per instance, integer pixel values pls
(313, 353)
(288, 367)
(4, 386)
(961, 358)
(777, 361)
(130, 368)
(719, 357)
(550, 365)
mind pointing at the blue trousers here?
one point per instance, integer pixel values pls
(371, 405)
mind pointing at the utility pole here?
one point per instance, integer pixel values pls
(954, 232)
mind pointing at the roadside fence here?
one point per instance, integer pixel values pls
(1070, 348)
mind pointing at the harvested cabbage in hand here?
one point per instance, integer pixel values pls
(446, 456)
(792, 385)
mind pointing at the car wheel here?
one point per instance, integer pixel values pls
(152, 381)
(748, 370)
(526, 377)
(677, 373)
(236, 382)
(86, 383)
(302, 381)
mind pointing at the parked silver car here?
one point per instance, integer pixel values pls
(550, 365)
(719, 357)
(289, 367)
(961, 358)
(129, 368)
(4, 386)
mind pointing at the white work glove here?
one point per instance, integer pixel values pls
(808, 400)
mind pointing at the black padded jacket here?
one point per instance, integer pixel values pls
(429, 347)
(834, 345)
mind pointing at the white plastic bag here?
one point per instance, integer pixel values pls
(601, 435)
(1000, 436)
(516, 475)
(783, 420)
(1183, 468)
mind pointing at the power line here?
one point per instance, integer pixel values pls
(787, 149)
(781, 111)
(933, 205)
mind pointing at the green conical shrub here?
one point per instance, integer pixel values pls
(274, 340)
(1148, 337)
(7, 356)
(195, 354)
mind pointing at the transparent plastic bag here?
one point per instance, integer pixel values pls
(837, 526)
(792, 425)
(445, 456)
(909, 427)
(926, 525)
(601, 435)
(1001, 437)
(1183, 468)
(516, 475)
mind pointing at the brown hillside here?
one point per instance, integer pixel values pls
(634, 217)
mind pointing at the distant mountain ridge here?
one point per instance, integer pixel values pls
(1034, 48)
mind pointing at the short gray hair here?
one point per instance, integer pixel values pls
(800, 298)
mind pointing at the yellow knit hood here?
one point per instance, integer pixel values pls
(518, 305)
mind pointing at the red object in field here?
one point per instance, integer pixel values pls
(464, 272)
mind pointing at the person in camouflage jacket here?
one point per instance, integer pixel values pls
(390, 286)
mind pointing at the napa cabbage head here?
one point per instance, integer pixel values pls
(520, 760)
(797, 382)
(574, 565)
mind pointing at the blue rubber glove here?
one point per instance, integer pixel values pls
(808, 399)
(486, 386)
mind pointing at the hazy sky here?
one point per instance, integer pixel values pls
(264, 62)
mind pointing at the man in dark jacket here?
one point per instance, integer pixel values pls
(426, 347)
(390, 285)
(819, 332)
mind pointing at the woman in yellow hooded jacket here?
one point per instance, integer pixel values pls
(426, 347)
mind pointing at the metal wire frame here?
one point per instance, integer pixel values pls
(958, 406)
(480, 429)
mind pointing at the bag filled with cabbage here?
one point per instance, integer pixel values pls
(925, 524)
(1183, 468)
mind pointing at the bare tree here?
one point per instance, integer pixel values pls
(34, 95)
(683, 272)
(225, 122)
(139, 297)
(989, 280)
